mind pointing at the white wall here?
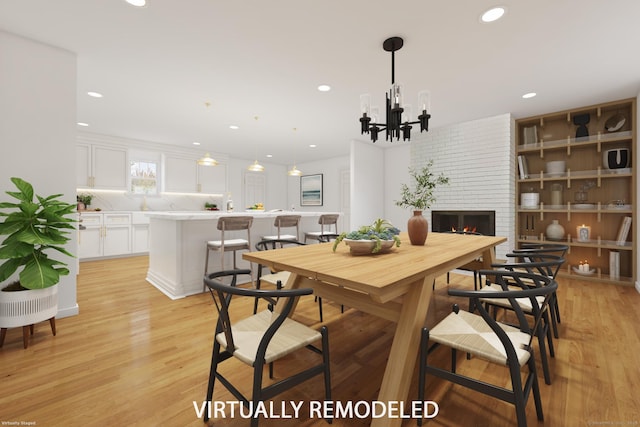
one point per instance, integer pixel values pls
(38, 130)
(478, 158)
(367, 183)
(331, 171)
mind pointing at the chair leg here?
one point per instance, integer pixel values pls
(535, 387)
(320, 308)
(256, 396)
(541, 333)
(215, 355)
(422, 368)
(327, 365)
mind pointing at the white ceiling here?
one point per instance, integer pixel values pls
(159, 65)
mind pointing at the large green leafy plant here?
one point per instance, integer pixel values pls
(420, 196)
(35, 226)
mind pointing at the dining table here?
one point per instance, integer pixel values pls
(396, 285)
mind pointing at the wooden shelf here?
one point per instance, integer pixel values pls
(611, 194)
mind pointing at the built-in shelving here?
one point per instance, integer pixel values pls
(590, 193)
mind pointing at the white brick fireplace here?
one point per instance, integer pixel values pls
(478, 157)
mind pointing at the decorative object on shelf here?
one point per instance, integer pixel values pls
(554, 231)
(617, 158)
(582, 195)
(530, 200)
(207, 160)
(210, 206)
(556, 195)
(311, 190)
(36, 227)
(523, 167)
(614, 265)
(583, 233)
(582, 120)
(615, 122)
(396, 122)
(420, 197)
(530, 135)
(584, 272)
(84, 200)
(555, 168)
(623, 231)
(378, 237)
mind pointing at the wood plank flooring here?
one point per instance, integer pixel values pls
(134, 357)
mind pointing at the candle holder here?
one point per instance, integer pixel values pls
(583, 233)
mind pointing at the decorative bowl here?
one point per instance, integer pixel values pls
(365, 247)
(555, 168)
(584, 273)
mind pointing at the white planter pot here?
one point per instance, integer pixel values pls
(28, 307)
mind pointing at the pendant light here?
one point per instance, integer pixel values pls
(294, 170)
(255, 166)
(207, 160)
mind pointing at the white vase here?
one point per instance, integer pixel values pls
(555, 231)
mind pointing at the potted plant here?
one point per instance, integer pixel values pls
(420, 197)
(36, 228)
(208, 206)
(84, 200)
(378, 237)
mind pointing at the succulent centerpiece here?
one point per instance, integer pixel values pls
(378, 237)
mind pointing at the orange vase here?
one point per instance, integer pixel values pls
(418, 228)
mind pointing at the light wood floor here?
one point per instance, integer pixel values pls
(134, 357)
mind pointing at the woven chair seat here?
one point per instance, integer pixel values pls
(248, 332)
(525, 303)
(470, 333)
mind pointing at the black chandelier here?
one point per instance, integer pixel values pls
(394, 125)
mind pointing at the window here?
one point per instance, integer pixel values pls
(144, 177)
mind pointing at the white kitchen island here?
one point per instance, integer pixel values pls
(177, 242)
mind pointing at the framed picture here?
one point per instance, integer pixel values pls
(311, 190)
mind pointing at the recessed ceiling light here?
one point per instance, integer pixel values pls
(493, 14)
(83, 124)
(269, 155)
(234, 127)
(94, 94)
(529, 95)
(324, 88)
(196, 143)
(137, 3)
(312, 145)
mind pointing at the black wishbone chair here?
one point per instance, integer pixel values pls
(278, 278)
(480, 335)
(541, 264)
(261, 339)
(559, 249)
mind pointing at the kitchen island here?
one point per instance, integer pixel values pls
(177, 242)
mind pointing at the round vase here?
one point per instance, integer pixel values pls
(418, 228)
(555, 231)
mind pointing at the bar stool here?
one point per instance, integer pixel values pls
(230, 223)
(285, 221)
(325, 220)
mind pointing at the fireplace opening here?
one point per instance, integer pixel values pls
(483, 222)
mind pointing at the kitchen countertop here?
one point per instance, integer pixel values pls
(206, 215)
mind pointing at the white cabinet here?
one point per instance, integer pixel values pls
(139, 233)
(212, 179)
(101, 167)
(104, 234)
(180, 175)
(184, 175)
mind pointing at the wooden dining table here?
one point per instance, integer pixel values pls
(396, 286)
